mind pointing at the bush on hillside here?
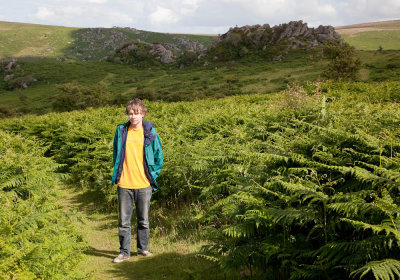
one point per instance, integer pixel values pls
(135, 53)
(145, 94)
(6, 111)
(14, 76)
(77, 97)
(343, 61)
(20, 82)
(187, 58)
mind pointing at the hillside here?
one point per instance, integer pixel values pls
(33, 40)
(92, 44)
(245, 60)
(371, 36)
(87, 44)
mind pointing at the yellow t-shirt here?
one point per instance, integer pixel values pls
(133, 175)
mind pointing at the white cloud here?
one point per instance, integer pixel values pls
(81, 16)
(59, 13)
(44, 13)
(82, 2)
(120, 18)
(189, 6)
(281, 11)
(163, 16)
(95, 1)
(359, 11)
(70, 11)
(199, 16)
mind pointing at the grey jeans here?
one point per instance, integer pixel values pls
(126, 199)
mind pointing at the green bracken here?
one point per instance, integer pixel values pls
(290, 186)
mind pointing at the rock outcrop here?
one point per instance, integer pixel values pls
(161, 53)
(189, 45)
(137, 51)
(102, 43)
(14, 76)
(292, 35)
(130, 45)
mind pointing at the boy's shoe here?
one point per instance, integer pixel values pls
(145, 253)
(120, 258)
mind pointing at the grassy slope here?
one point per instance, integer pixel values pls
(34, 40)
(370, 36)
(257, 76)
(190, 83)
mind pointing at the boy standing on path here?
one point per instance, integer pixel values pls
(138, 159)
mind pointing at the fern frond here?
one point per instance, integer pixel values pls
(245, 230)
(387, 269)
(351, 208)
(376, 229)
(291, 216)
(209, 258)
(353, 252)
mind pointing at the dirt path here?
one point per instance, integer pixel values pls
(171, 260)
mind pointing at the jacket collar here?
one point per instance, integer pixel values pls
(148, 135)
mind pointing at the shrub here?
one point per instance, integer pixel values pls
(393, 65)
(6, 111)
(187, 58)
(145, 94)
(77, 97)
(343, 62)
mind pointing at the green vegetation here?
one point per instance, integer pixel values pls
(343, 62)
(37, 240)
(297, 184)
(373, 36)
(85, 44)
(159, 83)
(33, 40)
(75, 97)
(174, 242)
(373, 40)
(270, 173)
(216, 80)
(45, 75)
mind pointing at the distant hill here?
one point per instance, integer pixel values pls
(87, 44)
(372, 35)
(94, 44)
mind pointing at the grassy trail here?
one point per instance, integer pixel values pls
(172, 259)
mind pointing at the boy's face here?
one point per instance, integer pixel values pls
(135, 117)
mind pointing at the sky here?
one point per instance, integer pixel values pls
(196, 16)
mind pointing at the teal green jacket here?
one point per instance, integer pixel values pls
(153, 155)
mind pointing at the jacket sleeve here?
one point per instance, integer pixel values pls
(115, 146)
(158, 155)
